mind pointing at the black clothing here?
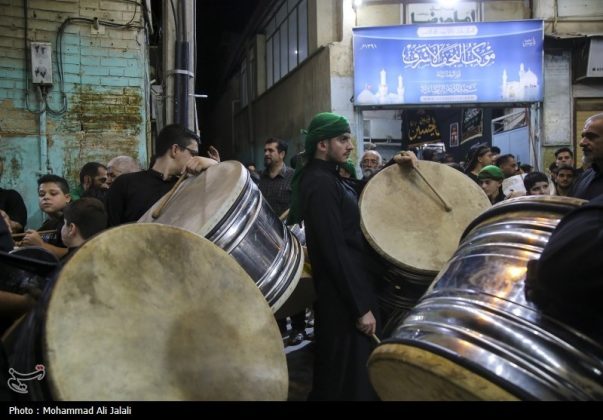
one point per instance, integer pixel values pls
(12, 203)
(473, 177)
(131, 195)
(589, 185)
(6, 240)
(53, 238)
(566, 281)
(500, 197)
(344, 277)
(95, 192)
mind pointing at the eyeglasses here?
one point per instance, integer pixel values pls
(191, 151)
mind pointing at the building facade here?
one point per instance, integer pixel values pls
(297, 60)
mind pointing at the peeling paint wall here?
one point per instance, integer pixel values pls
(105, 85)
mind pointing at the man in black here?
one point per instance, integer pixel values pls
(346, 309)
(12, 204)
(590, 183)
(131, 195)
(566, 281)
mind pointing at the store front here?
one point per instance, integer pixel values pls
(450, 86)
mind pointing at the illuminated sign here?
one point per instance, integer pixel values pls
(465, 63)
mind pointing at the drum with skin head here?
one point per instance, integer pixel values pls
(151, 312)
(474, 336)
(224, 205)
(408, 225)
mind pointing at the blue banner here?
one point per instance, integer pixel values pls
(464, 63)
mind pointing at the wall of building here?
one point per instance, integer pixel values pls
(105, 75)
(287, 108)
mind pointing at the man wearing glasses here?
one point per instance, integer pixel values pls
(177, 151)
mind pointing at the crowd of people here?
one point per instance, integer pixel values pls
(322, 192)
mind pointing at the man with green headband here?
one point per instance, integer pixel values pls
(343, 268)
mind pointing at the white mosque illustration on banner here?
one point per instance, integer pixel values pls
(525, 88)
(383, 95)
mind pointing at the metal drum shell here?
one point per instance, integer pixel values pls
(475, 317)
(224, 205)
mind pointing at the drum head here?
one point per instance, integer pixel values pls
(153, 312)
(406, 223)
(202, 201)
(405, 373)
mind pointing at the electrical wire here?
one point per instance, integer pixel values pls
(59, 47)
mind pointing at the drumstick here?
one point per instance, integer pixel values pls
(446, 205)
(157, 212)
(376, 339)
(41, 232)
(284, 216)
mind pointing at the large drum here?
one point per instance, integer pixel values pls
(408, 225)
(151, 312)
(474, 336)
(224, 205)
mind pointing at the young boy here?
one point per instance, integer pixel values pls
(53, 196)
(84, 218)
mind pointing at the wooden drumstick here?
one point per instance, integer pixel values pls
(446, 205)
(284, 216)
(376, 339)
(157, 212)
(40, 232)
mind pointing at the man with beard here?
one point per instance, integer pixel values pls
(93, 181)
(590, 183)
(346, 311)
(275, 185)
(370, 164)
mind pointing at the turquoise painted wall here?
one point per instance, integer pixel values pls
(105, 84)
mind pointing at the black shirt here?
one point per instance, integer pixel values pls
(566, 281)
(6, 240)
(12, 203)
(131, 195)
(589, 185)
(53, 238)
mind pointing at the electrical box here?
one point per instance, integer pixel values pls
(41, 63)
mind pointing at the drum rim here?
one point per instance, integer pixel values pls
(404, 266)
(58, 391)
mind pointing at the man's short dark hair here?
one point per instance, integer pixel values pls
(564, 149)
(567, 168)
(88, 214)
(174, 134)
(495, 150)
(281, 145)
(60, 181)
(90, 169)
(502, 159)
(526, 168)
(532, 178)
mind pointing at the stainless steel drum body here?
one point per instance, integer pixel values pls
(409, 227)
(476, 315)
(224, 205)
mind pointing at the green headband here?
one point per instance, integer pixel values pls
(324, 125)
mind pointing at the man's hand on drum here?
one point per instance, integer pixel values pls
(406, 158)
(31, 238)
(198, 164)
(213, 153)
(367, 324)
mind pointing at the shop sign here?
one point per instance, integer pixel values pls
(448, 63)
